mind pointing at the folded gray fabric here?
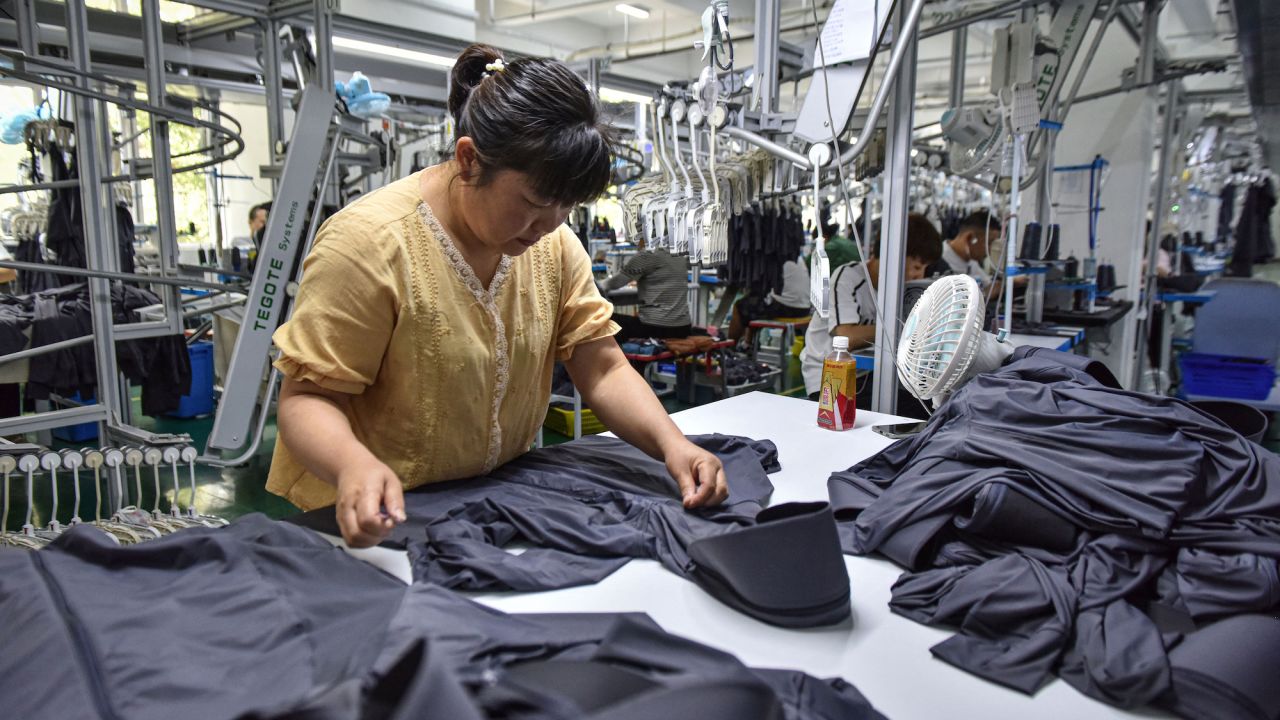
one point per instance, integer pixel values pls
(1230, 669)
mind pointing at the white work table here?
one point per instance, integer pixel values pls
(885, 656)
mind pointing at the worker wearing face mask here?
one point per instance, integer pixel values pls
(431, 312)
(967, 253)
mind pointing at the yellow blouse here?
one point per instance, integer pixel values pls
(448, 379)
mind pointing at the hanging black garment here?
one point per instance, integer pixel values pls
(15, 317)
(761, 241)
(1254, 243)
(1226, 213)
(162, 366)
(124, 237)
(65, 231)
(1135, 518)
(30, 251)
(268, 621)
(586, 507)
(62, 314)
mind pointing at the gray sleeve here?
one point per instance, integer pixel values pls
(637, 267)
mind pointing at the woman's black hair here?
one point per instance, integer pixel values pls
(534, 116)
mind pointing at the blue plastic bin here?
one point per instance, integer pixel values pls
(1226, 376)
(199, 401)
(81, 432)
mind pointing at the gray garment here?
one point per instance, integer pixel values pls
(1178, 521)
(263, 620)
(663, 283)
(586, 507)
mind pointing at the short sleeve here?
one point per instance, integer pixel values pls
(585, 315)
(846, 284)
(346, 311)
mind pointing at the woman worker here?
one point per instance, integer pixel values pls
(431, 312)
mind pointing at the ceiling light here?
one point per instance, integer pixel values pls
(634, 11)
(613, 95)
(396, 53)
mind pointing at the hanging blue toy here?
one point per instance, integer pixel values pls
(361, 100)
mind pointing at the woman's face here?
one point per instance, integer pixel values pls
(506, 215)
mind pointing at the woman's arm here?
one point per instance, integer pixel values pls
(313, 423)
(625, 403)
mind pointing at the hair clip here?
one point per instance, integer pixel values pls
(496, 66)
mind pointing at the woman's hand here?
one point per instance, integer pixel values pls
(370, 502)
(698, 473)
(626, 404)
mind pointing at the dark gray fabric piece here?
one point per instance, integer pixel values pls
(1228, 670)
(1179, 522)
(786, 570)
(587, 508)
(198, 624)
(268, 621)
(481, 643)
(1002, 513)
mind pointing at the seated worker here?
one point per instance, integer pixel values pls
(792, 302)
(964, 254)
(662, 280)
(853, 306)
(840, 249)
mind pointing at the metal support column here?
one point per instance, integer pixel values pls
(593, 75)
(272, 82)
(1150, 41)
(893, 223)
(959, 59)
(28, 29)
(323, 27)
(162, 171)
(1159, 207)
(94, 202)
(768, 22)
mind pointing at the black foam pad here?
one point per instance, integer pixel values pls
(787, 570)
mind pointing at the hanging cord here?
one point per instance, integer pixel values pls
(848, 206)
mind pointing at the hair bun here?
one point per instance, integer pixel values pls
(468, 71)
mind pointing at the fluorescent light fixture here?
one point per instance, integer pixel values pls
(613, 95)
(634, 11)
(396, 53)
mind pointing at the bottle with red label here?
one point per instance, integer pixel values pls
(836, 405)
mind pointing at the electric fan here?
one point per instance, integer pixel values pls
(943, 344)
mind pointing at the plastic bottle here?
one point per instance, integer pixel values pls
(836, 405)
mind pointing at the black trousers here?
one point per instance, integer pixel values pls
(633, 327)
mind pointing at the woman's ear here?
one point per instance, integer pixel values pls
(464, 153)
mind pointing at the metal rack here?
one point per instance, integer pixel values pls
(89, 92)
